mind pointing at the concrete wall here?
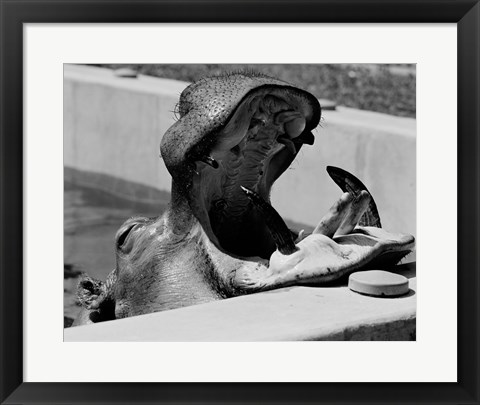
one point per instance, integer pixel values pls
(288, 314)
(114, 126)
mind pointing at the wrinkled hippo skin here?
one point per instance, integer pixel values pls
(220, 237)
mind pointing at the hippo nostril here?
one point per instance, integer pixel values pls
(87, 285)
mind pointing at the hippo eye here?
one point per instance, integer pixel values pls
(123, 236)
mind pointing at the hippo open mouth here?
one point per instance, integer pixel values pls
(256, 145)
(247, 131)
(220, 236)
(245, 139)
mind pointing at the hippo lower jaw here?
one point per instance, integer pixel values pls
(320, 259)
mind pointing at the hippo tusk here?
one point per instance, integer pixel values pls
(278, 229)
(349, 183)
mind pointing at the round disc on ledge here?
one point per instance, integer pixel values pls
(378, 283)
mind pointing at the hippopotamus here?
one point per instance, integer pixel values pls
(220, 237)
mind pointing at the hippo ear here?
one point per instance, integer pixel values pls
(95, 297)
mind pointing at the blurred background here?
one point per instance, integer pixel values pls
(115, 116)
(385, 88)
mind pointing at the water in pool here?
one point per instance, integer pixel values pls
(91, 219)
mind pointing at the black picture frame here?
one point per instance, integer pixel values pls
(14, 13)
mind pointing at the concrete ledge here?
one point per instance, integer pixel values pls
(114, 125)
(288, 314)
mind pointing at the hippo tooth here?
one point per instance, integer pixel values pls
(209, 161)
(332, 220)
(288, 144)
(278, 229)
(306, 138)
(293, 122)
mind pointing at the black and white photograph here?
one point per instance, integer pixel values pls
(239, 202)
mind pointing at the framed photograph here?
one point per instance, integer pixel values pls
(384, 95)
